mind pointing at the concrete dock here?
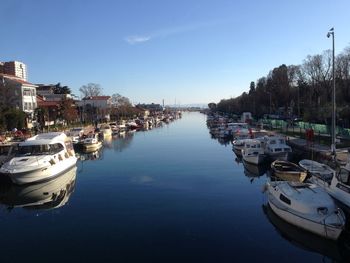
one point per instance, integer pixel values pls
(318, 152)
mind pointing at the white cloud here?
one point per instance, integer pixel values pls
(137, 39)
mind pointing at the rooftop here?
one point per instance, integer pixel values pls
(16, 79)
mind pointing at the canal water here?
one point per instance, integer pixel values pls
(171, 194)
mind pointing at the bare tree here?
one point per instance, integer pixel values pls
(91, 89)
(119, 100)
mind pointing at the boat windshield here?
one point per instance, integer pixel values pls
(40, 149)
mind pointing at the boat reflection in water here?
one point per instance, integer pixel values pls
(123, 141)
(107, 142)
(337, 251)
(253, 170)
(40, 196)
(92, 156)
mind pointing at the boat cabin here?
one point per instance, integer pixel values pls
(45, 144)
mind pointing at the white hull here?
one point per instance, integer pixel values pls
(315, 227)
(42, 174)
(340, 195)
(254, 159)
(328, 225)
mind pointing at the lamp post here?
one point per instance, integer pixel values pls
(331, 32)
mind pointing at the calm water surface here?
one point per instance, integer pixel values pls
(171, 194)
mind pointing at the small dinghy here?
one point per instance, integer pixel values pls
(318, 170)
(306, 206)
(288, 171)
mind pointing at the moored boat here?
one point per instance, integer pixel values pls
(317, 170)
(307, 206)
(306, 240)
(252, 152)
(40, 158)
(338, 186)
(92, 143)
(288, 171)
(276, 148)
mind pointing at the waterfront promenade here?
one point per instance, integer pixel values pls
(316, 151)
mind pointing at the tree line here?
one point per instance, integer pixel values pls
(303, 91)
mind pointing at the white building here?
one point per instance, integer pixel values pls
(97, 107)
(18, 93)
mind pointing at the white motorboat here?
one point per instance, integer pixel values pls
(338, 186)
(91, 143)
(306, 206)
(305, 240)
(320, 172)
(40, 158)
(252, 152)
(276, 148)
(44, 195)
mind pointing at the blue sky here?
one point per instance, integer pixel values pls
(183, 50)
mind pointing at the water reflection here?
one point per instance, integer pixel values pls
(338, 251)
(253, 170)
(123, 141)
(92, 156)
(108, 141)
(41, 196)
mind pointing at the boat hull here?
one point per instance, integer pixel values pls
(323, 226)
(41, 174)
(256, 159)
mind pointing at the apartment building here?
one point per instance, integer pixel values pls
(14, 68)
(18, 93)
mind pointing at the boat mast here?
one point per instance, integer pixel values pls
(333, 146)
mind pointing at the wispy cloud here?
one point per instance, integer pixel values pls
(137, 39)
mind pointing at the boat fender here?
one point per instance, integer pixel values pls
(52, 162)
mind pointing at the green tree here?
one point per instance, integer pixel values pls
(14, 118)
(58, 89)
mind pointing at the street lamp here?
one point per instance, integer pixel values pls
(331, 32)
